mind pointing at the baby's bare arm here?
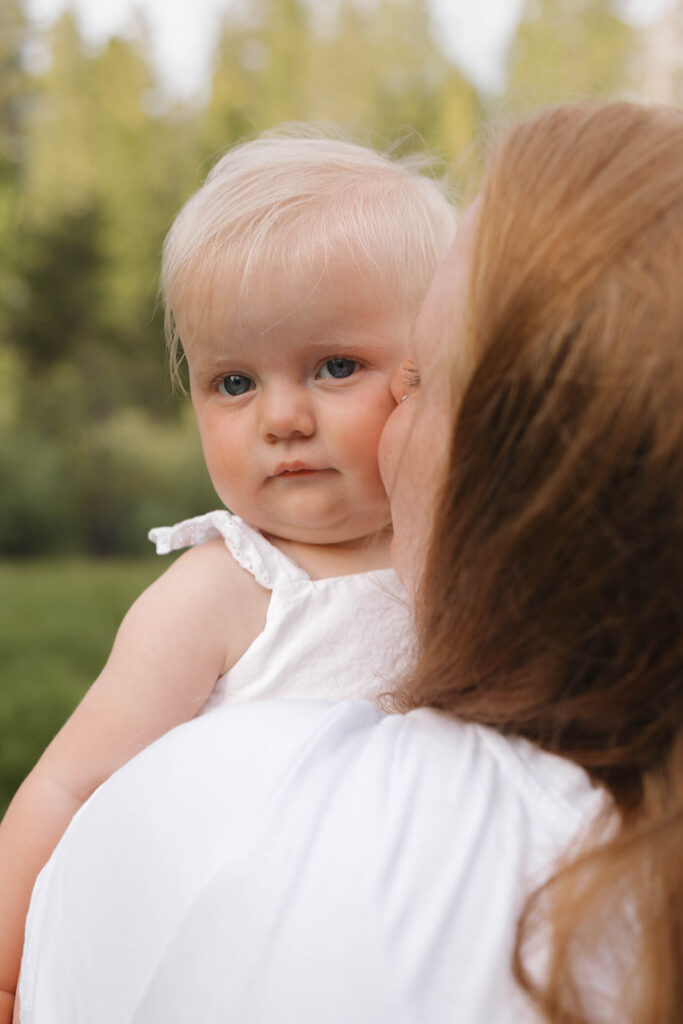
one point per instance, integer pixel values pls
(184, 631)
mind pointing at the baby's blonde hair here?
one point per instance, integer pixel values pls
(292, 197)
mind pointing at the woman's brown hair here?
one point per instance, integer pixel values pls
(552, 603)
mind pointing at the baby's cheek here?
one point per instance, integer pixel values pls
(363, 440)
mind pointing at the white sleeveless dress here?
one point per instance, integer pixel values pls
(339, 638)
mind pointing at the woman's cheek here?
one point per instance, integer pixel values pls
(392, 445)
(414, 458)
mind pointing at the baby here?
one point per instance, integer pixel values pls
(291, 281)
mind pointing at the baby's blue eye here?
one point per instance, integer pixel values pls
(235, 384)
(338, 368)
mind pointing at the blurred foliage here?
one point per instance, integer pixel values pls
(568, 49)
(57, 620)
(94, 163)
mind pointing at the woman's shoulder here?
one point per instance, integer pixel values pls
(422, 747)
(426, 759)
(383, 762)
(555, 791)
(500, 800)
(490, 781)
(370, 847)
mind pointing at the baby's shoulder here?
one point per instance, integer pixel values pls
(209, 558)
(208, 572)
(205, 593)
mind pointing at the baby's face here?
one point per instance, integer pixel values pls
(291, 391)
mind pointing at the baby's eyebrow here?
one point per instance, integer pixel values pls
(351, 343)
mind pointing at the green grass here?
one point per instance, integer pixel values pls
(57, 623)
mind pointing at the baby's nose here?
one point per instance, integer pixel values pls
(286, 411)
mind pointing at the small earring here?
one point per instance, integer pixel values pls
(402, 398)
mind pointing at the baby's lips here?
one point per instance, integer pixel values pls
(295, 466)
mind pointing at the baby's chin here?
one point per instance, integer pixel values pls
(309, 520)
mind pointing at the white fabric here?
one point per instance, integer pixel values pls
(289, 862)
(332, 639)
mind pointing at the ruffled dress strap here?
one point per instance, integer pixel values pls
(250, 549)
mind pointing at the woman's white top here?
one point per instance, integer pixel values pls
(332, 639)
(294, 862)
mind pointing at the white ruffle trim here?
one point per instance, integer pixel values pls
(241, 540)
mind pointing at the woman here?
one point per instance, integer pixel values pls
(524, 816)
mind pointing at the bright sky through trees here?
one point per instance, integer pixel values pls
(475, 33)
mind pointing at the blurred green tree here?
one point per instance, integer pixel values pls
(372, 69)
(62, 264)
(568, 49)
(98, 141)
(14, 87)
(105, 170)
(262, 72)
(15, 95)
